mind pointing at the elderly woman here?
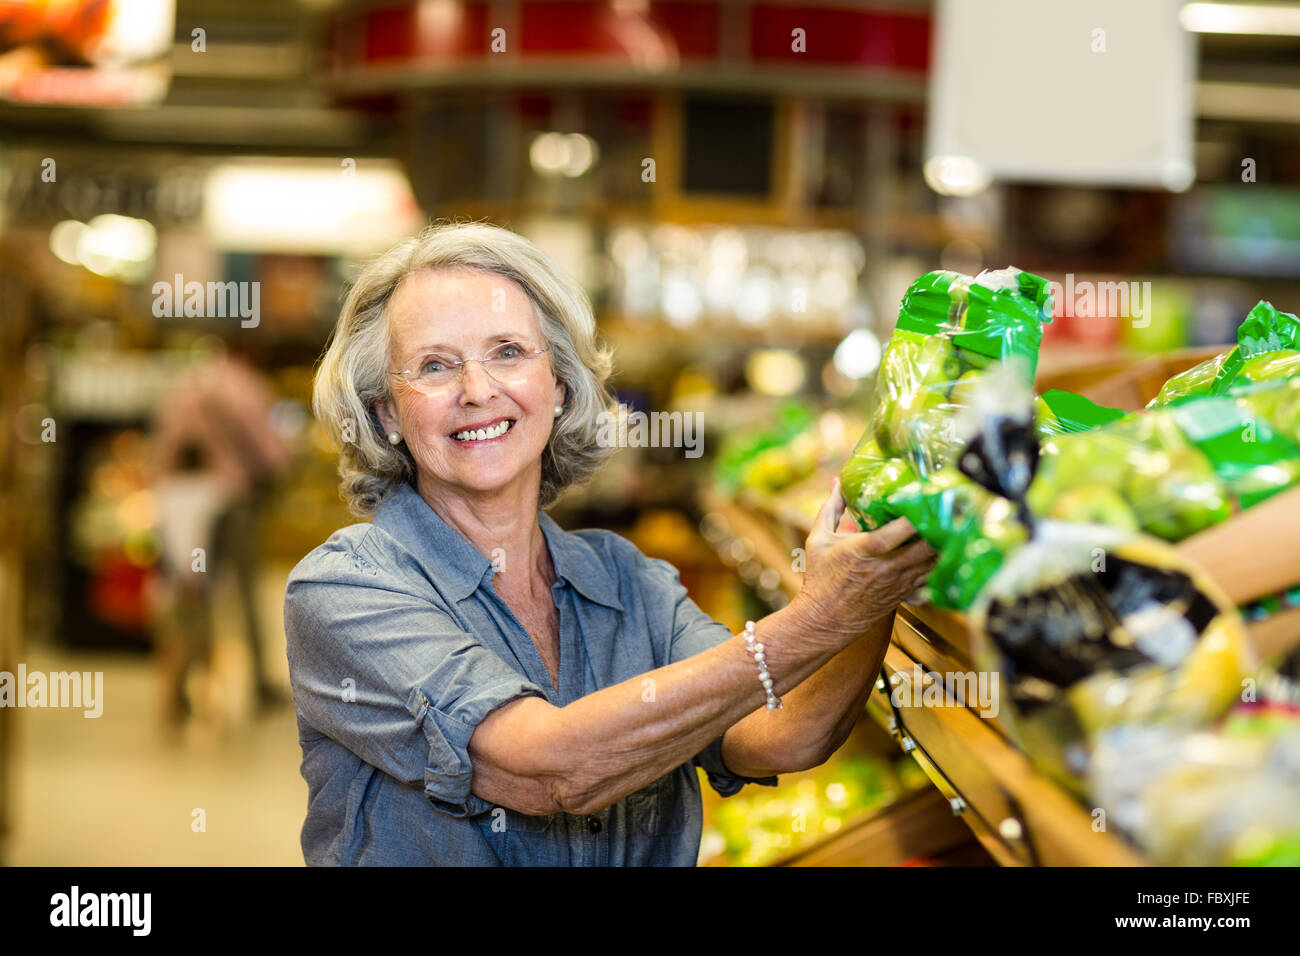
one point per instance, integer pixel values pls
(477, 686)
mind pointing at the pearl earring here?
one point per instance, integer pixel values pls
(394, 438)
(559, 409)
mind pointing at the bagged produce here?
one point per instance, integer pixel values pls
(953, 332)
(1223, 797)
(1137, 473)
(950, 328)
(1093, 629)
(766, 458)
(970, 527)
(1268, 348)
(1170, 472)
(1199, 379)
(1092, 626)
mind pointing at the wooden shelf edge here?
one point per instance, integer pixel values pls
(917, 824)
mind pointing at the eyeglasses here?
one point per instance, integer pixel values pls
(507, 363)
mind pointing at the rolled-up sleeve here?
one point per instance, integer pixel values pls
(392, 677)
(694, 632)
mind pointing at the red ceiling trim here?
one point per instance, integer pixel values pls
(646, 34)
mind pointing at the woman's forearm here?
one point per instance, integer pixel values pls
(818, 715)
(593, 752)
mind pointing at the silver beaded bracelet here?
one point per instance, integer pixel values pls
(756, 651)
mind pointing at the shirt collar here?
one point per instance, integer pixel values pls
(461, 567)
(577, 562)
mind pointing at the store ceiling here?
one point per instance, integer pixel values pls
(253, 88)
(258, 88)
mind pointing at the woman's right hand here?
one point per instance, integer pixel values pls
(853, 579)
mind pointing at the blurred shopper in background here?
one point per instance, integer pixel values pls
(216, 455)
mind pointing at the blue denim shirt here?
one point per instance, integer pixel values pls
(399, 645)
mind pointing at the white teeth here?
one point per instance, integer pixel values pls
(482, 434)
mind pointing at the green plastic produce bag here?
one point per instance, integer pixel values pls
(951, 327)
(1267, 329)
(1268, 347)
(1058, 412)
(972, 530)
(1170, 472)
(869, 476)
(1252, 460)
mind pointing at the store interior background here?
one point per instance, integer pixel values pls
(307, 135)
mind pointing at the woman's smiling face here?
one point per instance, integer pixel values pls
(464, 313)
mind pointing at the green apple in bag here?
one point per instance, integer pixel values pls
(1175, 493)
(868, 477)
(915, 420)
(897, 381)
(1093, 458)
(1093, 504)
(938, 364)
(931, 355)
(1099, 458)
(892, 476)
(1277, 402)
(865, 460)
(1284, 363)
(960, 396)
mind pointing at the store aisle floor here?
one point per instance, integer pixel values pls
(117, 790)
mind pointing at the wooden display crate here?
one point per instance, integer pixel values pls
(1021, 817)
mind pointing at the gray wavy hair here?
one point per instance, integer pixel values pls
(353, 374)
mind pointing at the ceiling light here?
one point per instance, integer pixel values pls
(956, 175)
(775, 371)
(858, 355)
(1262, 19)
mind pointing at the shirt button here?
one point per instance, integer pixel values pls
(593, 824)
